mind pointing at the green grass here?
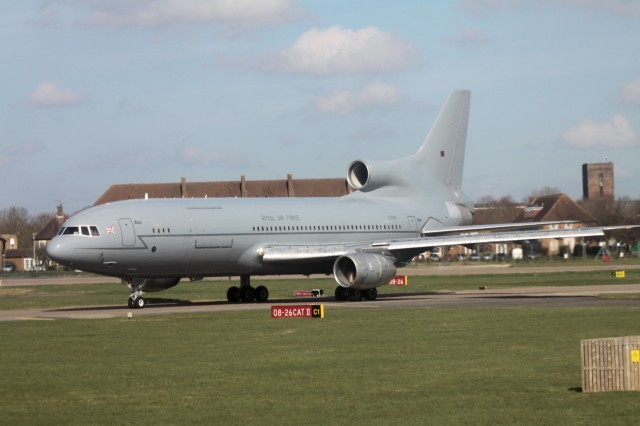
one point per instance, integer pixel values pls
(356, 366)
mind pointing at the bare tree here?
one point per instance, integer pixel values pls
(545, 190)
(16, 220)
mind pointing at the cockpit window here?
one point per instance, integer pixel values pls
(71, 230)
(86, 231)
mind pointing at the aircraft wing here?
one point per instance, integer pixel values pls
(494, 237)
(492, 227)
(320, 253)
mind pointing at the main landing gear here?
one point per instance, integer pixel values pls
(354, 294)
(245, 293)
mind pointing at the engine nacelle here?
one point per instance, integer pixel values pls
(363, 270)
(369, 175)
(153, 284)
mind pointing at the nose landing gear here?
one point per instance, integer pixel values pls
(136, 301)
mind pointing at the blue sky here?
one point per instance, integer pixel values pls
(98, 92)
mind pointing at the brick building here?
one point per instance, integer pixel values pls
(597, 181)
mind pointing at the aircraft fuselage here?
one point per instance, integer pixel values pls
(220, 237)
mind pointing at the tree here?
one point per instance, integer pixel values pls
(545, 190)
(16, 220)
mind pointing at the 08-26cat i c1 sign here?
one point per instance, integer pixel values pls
(297, 311)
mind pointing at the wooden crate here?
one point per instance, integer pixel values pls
(611, 364)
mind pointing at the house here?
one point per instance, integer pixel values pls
(51, 228)
(556, 208)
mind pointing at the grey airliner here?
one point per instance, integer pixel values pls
(398, 209)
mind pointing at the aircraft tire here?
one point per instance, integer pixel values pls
(247, 294)
(341, 294)
(139, 303)
(355, 294)
(233, 294)
(130, 303)
(370, 294)
(261, 293)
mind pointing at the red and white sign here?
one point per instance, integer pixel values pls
(399, 280)
(308, 293)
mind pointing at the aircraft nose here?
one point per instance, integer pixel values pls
(57, 251)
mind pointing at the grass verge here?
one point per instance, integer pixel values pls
(363, 366)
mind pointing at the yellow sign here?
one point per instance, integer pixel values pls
(618, 274)
(635, 356)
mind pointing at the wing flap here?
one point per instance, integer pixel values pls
(303, 253)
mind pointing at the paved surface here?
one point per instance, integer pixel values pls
(570, 296)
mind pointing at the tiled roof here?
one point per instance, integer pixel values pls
(556, 207)
(51, 229)
(289, 187)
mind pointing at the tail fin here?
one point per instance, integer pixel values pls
(442, 152)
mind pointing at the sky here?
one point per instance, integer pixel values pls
(101, 92)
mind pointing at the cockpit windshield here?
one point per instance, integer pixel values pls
(85, 231)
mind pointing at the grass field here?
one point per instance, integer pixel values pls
(356, 366)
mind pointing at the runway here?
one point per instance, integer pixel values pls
(531, 297)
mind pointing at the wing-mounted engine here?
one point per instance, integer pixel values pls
(368, 175)
(363, 270)
(153, 284)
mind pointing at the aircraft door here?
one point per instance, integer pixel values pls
(127, 231)
(413, 225)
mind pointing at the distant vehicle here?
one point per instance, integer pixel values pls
(487, 256)
(433, 257)
(39, 268)
(516, 254)
(448, 257)
(474, 256)
(8, 267)
(501, 256)
(532, 256)
(460, 257)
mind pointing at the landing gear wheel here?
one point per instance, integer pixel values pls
(355, 295)
(247, 294)
(233, 294)
(135, 302)
(261, 294)
(341, 294)
(370, 294)
(139, 303)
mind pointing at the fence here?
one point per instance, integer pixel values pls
(611, 364)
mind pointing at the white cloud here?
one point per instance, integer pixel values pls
(50, 94)
(376, 94)
(340, 50)
(631, 92)
(615, 133)
(155, 13)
